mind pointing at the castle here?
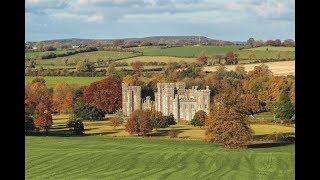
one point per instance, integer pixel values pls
(170, 98)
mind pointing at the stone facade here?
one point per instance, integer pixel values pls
(173, 98)
(170, 98)
(131, 99)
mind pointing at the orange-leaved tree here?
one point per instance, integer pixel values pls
(105, 94)
(139, 123)
(227, 126)
(43, 117)
(63, 96)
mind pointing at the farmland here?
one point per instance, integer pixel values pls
(278, 68)
(51, 81)
(100, 157)
(94, 56)
(165, 59)
(194, 51)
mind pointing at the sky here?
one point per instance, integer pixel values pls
(233, 20)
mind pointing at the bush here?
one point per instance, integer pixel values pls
(199, 118)
(284, 109)
(76, 125)
(173, 133)
(29, 123)
(116, 121)
(170, 120)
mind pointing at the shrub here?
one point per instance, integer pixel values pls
(76, 125)
(199, 118)
(29, 123)
(170, 120)
(173, 133)
(284, 109)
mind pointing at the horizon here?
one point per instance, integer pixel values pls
(236, 20)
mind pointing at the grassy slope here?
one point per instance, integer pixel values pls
(192, 51)
(100, 157)
(91, 56)
(51, 81)
(186, 51)
(36, 54)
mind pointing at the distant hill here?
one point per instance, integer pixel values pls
(153, 39)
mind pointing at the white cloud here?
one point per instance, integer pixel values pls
(69, 16)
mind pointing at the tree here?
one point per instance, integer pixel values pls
(84, 66)
(157, 120)
(227, 126)
(231, 58)
(284, 109)
(139, 123)
(277, 42)
(250, 42)
(288, 43)
(199, 118)
(132, 80)
(248, 104)
(43, 117)
(137, 66)
(63, 97)
(105, 94)
(203, 59)
(86, 112)
(118, 42)
(76, 125)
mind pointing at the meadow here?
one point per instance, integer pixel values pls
(244, 54)
(51, 81)
(101, 157)
(93, 56)
(38, 54)
(165, 59)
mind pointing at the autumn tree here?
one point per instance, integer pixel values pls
(199, 118)
(248, 104)
(105, 94)
(118, 42)
(43, 117)
(231, 58)
(227, 126)
(84, 66)
(63, 96)
(132, 80)
(139, 123)
(202, 59)
(137, 66)
(288, 43)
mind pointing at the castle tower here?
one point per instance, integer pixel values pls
(131, 99)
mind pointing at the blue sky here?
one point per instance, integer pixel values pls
(234, 20)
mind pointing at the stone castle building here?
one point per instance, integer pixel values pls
(170, 98)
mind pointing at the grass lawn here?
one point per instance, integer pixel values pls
(272, 48)
(185, 131)
(101, 157)
(51, 81)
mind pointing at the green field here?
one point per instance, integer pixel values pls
(186, 51)
(91, 56)
(38, 54)
(51, 81)
(193, 51)
(100, 157)
(272, 48)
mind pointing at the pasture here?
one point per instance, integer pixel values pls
(93, 56)
(38, 54)
(278, 68)
(51, 81)
(101, 157)
(186, 51)
(165, 59)
(244, 54)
